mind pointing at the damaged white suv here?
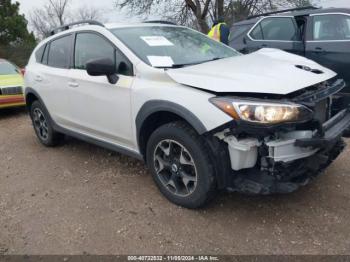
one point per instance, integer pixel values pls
(202, 116)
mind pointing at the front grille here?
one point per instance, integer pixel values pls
(13, 90)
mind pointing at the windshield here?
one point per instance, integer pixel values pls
(7, 69)
(170, 46)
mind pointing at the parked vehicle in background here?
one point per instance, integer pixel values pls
(201, 115)
(322, 35)
(11, 85)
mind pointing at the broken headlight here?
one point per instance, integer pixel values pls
(262, 112)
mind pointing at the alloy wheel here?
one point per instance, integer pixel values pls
(175, 168)
(40, 124)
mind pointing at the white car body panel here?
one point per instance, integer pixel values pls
(100, 109)
(269, 71)
(154, 84)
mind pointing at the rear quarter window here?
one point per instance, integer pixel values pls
(39, 53)
(238, 31)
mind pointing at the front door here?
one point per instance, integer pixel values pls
(100, 109)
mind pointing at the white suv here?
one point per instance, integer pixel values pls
(201, 115)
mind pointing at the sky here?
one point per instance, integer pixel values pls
(113, 15)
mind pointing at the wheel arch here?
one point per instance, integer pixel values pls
(30, 96)
(155, 113)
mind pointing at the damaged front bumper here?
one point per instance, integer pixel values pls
(285, 159)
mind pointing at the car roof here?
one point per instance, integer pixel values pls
(123, 25)
(317, 11)
(108, 26)
(296, 13)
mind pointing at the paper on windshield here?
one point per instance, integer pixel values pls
(161, 61)
(156, 41)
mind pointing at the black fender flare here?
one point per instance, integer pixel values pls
(28, 91)
(154, 106)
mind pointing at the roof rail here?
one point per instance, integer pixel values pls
(284, 11)
(67, 26)
(159, 22)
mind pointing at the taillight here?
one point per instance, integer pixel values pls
(23, 71)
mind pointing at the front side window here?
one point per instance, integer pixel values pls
(278, 29)
(331, 27)
(171, 46)
(59, 52)
(7, 68)
(90, 46)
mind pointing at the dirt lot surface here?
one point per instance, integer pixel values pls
(78, 199)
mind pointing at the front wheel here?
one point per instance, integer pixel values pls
(181, 166)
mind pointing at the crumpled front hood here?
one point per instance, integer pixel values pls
(269, 71)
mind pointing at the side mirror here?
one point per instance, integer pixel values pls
(103, 67)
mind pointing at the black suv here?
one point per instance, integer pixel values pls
(323, 35)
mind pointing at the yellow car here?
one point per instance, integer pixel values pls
(11, 85)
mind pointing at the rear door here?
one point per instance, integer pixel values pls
(50, 77)
(276, 32)
(329, 43)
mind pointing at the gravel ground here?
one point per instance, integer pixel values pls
(81, 199)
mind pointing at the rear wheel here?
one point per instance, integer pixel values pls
(43, 127)
(181, 165)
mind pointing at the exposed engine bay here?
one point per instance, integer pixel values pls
(280, 158)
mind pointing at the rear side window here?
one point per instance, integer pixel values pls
(278, 28)
(331, 27)
(89, 46)
(59, 53)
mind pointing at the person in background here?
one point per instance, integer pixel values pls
(220, 31)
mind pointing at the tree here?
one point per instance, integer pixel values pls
(201, 13)
(13, 25)
(53, 14)
(16, 43)
(56, 13)
(89, 13)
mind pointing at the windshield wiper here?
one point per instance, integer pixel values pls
(194, 63)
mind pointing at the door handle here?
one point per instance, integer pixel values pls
(319, 50)
(264, 45)
(72, 84)
(38, 78)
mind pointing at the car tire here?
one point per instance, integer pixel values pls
(43, 126)
(181, 166)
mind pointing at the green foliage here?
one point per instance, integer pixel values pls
(16, 43)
